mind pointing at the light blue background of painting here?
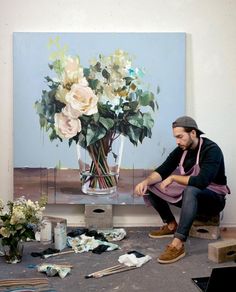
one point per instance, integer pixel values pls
(161, 54)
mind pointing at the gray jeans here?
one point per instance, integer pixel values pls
(194, 202)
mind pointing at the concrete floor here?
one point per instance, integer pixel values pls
(152, 276)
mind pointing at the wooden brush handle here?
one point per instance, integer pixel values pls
(46, 256)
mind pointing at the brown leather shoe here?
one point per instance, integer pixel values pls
(171, 255)
(164, 231)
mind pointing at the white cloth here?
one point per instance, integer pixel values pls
(131, 260)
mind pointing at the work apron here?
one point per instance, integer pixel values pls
(173, 192)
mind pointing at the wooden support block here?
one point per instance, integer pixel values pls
(98, 216)
(222, 251)
(206, 232)
(206, 227)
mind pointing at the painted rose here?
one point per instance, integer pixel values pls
(82, 99)
(65, 126)
(70, 112)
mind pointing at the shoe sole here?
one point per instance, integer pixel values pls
(160, 236)
(173, 260)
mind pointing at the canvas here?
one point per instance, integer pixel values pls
(44, 163)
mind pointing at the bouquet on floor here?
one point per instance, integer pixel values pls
(19, 219)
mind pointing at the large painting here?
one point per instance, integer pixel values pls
(135, 84)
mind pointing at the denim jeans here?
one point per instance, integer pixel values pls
(194, 202)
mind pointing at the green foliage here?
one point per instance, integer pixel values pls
(117, 103)
(21, 219)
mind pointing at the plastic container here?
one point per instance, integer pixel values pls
(60, 236)
(46, 232)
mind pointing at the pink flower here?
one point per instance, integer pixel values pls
(66, 127)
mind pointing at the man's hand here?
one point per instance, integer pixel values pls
(141, 188)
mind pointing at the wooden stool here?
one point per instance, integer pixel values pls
(206, 227)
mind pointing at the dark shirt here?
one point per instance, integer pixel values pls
(211, 162)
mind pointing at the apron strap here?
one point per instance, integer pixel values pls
(186, 151)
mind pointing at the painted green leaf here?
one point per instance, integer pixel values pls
(107, 122)
(146, 98)
(148, 120)
(94, 134)
(136, 120)
(105, 74)
(133, 133)
(86, 72)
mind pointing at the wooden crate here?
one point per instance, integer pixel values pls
(222, 251)
(98, 216)
(206, 227)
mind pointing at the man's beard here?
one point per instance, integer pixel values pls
(188, 146)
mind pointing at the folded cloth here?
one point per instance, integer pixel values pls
(131, 260)
(136, 253)
(97, 235)
(85, 243)
(115, 234)
(100, 249)
(90, 233)
(46, 251)
(53, 269)
(77, 232)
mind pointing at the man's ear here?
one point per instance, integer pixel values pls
(193, 133)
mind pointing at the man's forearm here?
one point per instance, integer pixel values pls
(180, 179)
(153, 178)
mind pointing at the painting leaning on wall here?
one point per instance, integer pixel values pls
(149, 61)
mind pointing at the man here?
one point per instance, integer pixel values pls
(191, 178)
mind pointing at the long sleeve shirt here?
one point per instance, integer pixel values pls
(211, 163)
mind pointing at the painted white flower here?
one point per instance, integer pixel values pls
(65, 126)
(69, 111)
(61, 93)
(109, 92)
(119, 62)
(73, 72)
(82, 99)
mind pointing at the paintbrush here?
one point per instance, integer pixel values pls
(46, 256)
(110, 271)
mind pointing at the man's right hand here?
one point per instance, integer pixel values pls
(141, 188)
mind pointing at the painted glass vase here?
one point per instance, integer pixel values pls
(99, 165)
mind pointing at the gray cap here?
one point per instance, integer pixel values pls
(186, 122)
